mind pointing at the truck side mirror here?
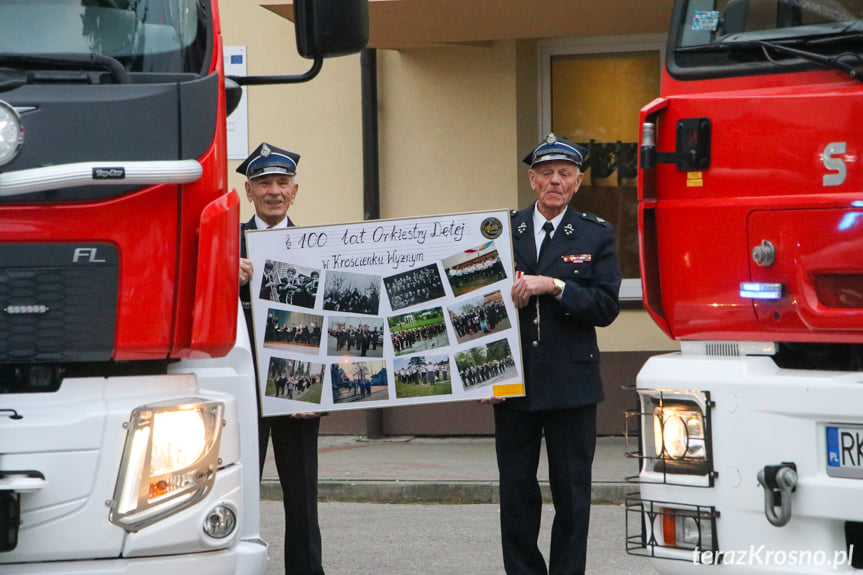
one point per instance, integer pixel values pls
(233, 95)
(331, 27)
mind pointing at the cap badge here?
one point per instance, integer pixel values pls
(265, 150)
(551, 139)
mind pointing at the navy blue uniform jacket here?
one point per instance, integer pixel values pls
(558, 338)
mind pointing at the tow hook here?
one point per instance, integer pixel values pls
(778, 482)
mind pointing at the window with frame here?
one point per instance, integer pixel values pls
(592, 96)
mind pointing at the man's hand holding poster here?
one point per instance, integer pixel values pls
(384, 313)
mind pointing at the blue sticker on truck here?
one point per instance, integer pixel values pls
(833, 455)
(705, 20)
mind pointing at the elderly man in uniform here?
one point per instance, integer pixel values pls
(567, 284)
(270, 186)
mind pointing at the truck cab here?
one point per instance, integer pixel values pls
(750, 249)
(128, 399)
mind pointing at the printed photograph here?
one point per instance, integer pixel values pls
(355, 336)
(485, 364)
(294, 331)
(352, 293)
(295, 379)
(474, 268)
(359, 381)
(289, 284)
(414, 287)
(479, 316)
(417, 331)
(422, 376)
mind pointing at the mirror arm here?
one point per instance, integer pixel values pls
(265, 80)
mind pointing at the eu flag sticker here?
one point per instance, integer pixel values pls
(236, 58)
(833, 455)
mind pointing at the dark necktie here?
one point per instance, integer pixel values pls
(547, 227)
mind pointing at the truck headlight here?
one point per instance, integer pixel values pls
(676, 432)
(169, 460)
(11, 133)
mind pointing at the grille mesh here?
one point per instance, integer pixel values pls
(64, 312)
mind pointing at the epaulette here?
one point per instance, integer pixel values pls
(594, 218)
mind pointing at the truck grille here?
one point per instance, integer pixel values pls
(58, 302)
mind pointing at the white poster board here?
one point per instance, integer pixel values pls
(384, 313)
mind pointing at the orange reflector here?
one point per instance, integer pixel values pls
(669, 531)
(158, 489)
(839, 290)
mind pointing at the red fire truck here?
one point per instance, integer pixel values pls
(128, 434)
(751, 228)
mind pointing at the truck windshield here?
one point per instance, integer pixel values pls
(154, 36)
(731, 37)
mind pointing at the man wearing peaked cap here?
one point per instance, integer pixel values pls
(567, 284)
(270, 185)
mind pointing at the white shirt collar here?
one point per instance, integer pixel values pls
(539, 220)
(262, 225)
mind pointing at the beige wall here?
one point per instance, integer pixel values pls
(448, 129)
(320, 120)
(527, 120)
(633, 330)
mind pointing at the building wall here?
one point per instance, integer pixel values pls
(320, 120)
(447, 128)
(454, 123)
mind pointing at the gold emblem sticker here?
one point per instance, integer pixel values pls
(491, 228)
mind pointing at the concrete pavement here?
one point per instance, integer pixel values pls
(438, 470)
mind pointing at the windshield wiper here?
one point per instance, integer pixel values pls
(832, 62)
(70, 61)
(837, 62)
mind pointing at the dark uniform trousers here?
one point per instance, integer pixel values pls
(560, 357)
(295, 449)
(570, 437)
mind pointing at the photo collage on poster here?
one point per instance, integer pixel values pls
(382, 313)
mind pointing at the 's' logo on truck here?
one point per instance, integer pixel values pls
(834, 164)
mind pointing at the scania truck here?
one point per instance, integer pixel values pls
(751, 245)
(128, 418)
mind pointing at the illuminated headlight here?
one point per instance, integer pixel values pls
(169, 460)
(11, 133)
(679, 432)
(676, 434)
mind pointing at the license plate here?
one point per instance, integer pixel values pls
(845, 451)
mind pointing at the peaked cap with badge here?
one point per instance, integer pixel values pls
(268, 159)
(555, 148)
